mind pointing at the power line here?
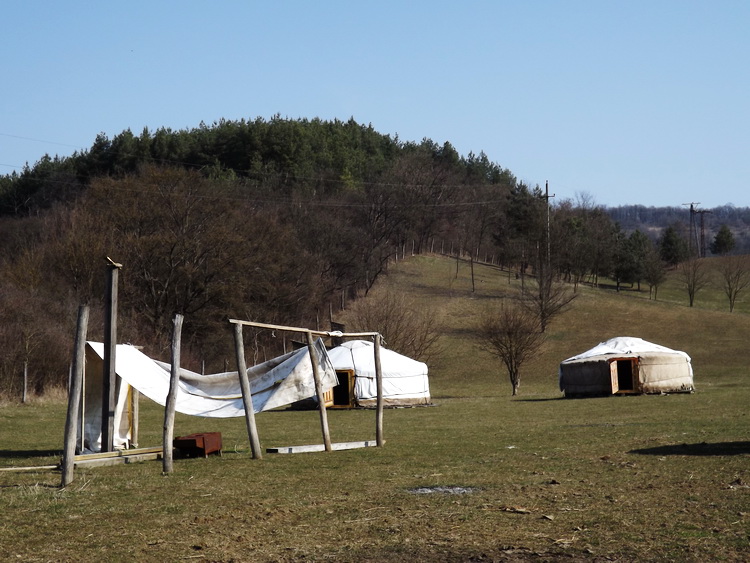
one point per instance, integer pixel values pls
(39, 140)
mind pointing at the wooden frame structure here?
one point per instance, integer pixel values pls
(75, 395)
(247, 397)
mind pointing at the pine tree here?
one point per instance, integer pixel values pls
(723, 241)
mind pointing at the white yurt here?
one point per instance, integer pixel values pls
(626, 365)
(405, 381)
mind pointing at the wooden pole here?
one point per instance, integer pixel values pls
(82, 416)
(169, 407)
(74, 396)
(135, 408)
(319, 393)
(25, 381)
(109, 377)
(379, 383)
(247, 397)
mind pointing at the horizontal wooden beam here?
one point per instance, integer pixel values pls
(304, 330)
(321, 447)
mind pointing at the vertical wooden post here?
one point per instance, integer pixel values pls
(109, 381)
(247, 397)
(82, 415)
(379, 383)
(169, 407)
(74, 396)
(25, 380)
(319, 392)
(135, 397)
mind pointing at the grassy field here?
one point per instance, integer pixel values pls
(535, 477)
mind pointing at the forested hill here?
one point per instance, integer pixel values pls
(282, 221)
(282, 155)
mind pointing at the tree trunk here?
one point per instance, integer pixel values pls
(515, 381)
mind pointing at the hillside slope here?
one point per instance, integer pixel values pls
(716, 341)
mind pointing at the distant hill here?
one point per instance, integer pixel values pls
(653, 220)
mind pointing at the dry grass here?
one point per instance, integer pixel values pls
(648, 478)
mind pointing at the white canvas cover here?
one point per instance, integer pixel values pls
(277, 382)
(624, 346)
(405, 381)
(652, 369)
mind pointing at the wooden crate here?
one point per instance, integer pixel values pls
(199, 444)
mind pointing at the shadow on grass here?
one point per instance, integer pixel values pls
(703, 448)
(29, 453)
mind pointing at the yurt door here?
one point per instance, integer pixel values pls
(343, 393)
(622, 373)
(613, 376)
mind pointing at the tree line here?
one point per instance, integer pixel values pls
(284, 221)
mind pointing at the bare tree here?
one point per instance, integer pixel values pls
(513, 334)
(654, 271)
(735, 275)
(694, 277)
(406, 327)
(546, 298)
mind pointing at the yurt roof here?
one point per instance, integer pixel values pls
(359, 355)
(625, 346)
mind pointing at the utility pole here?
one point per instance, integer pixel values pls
(693, 235)
(546, 199)
(702, 213)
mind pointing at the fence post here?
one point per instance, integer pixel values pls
(247, 397)
(74, 396)
(25, 381)
(379, 385)
(169, 407)
(319, 392)
(109, 376)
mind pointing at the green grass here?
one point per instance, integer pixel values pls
(626, 478)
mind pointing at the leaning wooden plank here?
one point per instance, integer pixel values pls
(31, 468)
(102, 462)
(142, 457)
(321, 447)
(119, 453)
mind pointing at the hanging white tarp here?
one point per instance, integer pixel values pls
(275, 383)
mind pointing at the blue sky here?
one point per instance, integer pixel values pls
(625, 102)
